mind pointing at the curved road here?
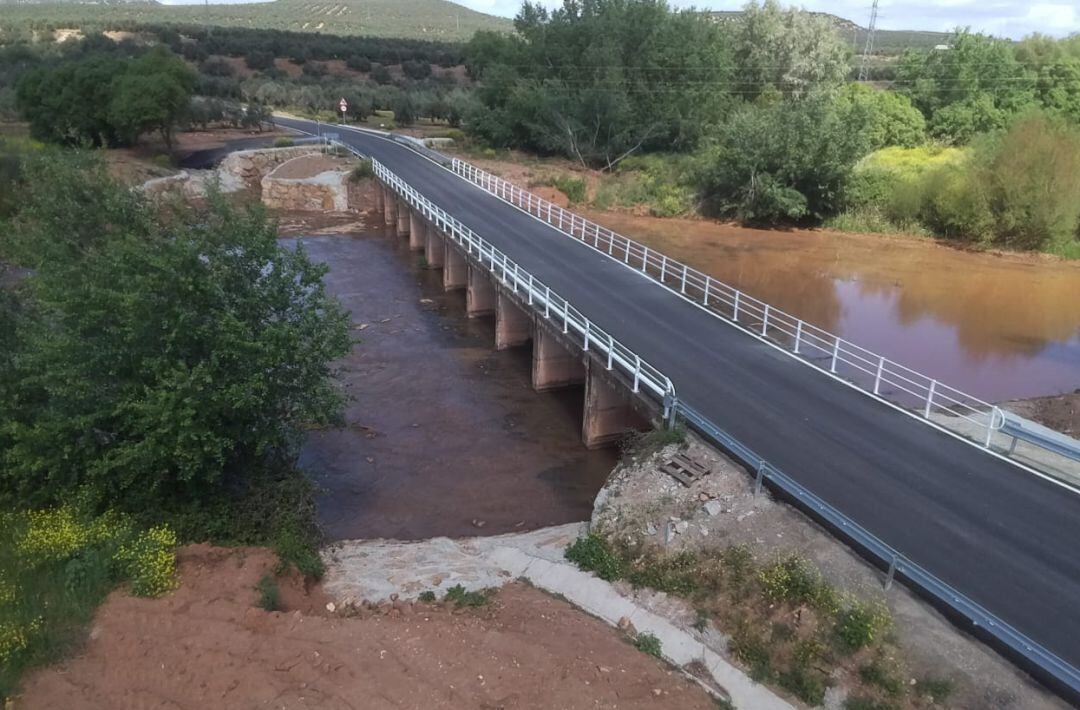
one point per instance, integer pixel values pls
(1005, 538)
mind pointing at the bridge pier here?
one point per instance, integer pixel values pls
(379, 196)
(455, 268)
(513, 326)
(553, 364)
(433, 248)
(609, 411)
(403, 217)
(389, 206)
(416, 226)
(418, 233)
(479, 293)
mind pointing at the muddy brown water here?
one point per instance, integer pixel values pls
(445, 435)
(999, 327)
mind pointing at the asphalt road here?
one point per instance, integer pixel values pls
(1003, 537)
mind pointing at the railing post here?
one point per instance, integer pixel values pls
(877, 377)
(610, 350)
(565, 316)
(930, 398)
(645, 260)
(663, 267)
(735, 312)
(685, 268)
(587, 328)
(708, 283)
(637, 372)
(835, 354)
(765, 321)
(798, 336)
(547, 302)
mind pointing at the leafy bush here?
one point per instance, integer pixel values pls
(573, 188)
(269, 594)
(297, 548)
(462, 598)
(862, 623)
(648, 643)
(795, 580)
(594, 554)
(362, 171)
(283, 142)
(427, 597)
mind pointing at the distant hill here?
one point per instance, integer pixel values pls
(411, 19)
(885, 41)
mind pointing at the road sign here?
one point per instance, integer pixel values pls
(344, 105)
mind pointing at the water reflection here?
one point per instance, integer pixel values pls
(999, 327)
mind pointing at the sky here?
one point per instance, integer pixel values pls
(1004, 18)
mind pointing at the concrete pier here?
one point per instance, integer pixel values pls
(403, 217)
(418, 229)
(609, 413)
(553, 364)
(479, 293)
(455, 268)
(390, 210)
(434, 251)
(513, 326)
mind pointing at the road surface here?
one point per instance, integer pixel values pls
(1005, 538)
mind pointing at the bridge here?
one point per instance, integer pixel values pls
(984, 539)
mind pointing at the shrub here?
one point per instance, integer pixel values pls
(283, 142)
(269, 594)
(149, 561)
(878, 674)
(648, 643)
(862, 623)
(593, 554)
(462, 598)
(362, 171)
(298, 548)
(427, 597)
(795, 580)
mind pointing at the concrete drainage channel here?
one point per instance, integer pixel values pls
(374, 570)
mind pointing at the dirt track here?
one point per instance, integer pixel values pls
(207, 646)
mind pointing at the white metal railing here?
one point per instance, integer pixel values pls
(871, 372)
(536, 295)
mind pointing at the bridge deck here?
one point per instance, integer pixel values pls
(1004, 537)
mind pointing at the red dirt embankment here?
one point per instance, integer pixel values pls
(207, 646)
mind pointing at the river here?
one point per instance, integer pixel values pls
(445, 435)
(999, 327)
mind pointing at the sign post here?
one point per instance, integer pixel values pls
(344, 106)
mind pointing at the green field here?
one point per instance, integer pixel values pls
(411, 19)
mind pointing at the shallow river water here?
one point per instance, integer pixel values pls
(445, 435)
(998, 327)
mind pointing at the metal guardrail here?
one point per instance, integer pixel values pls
(535, 294)
(544, 301)
(1040, 657)
(872, 373)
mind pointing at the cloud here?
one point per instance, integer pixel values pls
(1007, 18)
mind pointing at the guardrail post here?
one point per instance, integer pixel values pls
(835, 355)
(760, 476)
(994, 411)
(877, 377)
(930, 399)
(891, 574)
(670, 410)
(765, 321)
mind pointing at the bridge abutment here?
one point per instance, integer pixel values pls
(609, 410)
(479, 294)
(554, 365)
(380, 197)
(455, 268)
(513, 326)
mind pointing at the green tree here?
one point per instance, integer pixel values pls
(171, 356)
(791, 51)
(782, 161)
(887, 117)
(69, 102)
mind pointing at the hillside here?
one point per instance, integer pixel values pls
(413, 19)
(885, 41)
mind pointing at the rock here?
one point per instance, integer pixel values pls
(744, 516)
(650, 529)
(681, 527)
(703, 497)
(479, 523)
(624, 622)
(330, 607)
(713, 507)
(669, 533)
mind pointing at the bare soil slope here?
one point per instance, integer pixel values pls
(207, 646)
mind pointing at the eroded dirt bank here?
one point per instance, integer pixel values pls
(207, 646)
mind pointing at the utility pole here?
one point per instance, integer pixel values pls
(864, 68)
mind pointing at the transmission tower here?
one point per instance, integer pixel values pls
(864, 68)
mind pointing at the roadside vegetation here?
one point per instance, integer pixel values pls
(788, 627)
(157, 369)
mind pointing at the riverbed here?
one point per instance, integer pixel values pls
(445, 435)
(998, 326)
